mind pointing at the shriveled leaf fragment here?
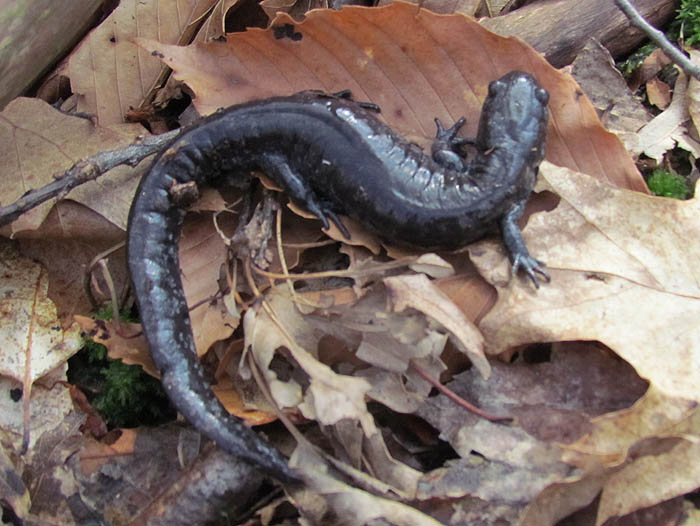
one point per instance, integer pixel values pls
(669, 128)
(330, 397)
(408, 62)
(418, 292)
(110, 73)
(127, 344)
(324, 498)
(37, 141)
(32, 341)
(623, 272)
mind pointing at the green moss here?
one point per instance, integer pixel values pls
(124, 395)
(687, 22)
(129, 396)
(666, 184)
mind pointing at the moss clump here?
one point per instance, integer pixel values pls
(687, 22)
(124, 395)
(666, 184)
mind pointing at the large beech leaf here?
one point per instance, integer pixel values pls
(414, 64)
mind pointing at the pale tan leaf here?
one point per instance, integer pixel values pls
(49, 405)
(32, 341)
(432, 265)
(357, 507)
(622, 273)
(668, 470)
(669, 128)
(37, 142)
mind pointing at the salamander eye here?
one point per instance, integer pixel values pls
(496, 87)
(542, 96)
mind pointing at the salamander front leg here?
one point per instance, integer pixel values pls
(294, 185)
(447, 147)
(517, 250)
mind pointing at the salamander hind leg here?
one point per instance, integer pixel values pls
(517, 250)
(300, 192)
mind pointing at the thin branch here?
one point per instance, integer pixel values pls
(84, 171)
(456, 398)
(658, 38)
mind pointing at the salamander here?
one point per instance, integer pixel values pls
(334, 157)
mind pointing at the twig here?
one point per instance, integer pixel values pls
(84, 171)
(659, 38)
(449, 393)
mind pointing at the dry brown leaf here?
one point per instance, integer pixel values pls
(39, 141)
(202, 254)
(639, 447)
(214, 26)
(659, 93)
(110, 73)
(613, 434)
(231, 400)
(669, 470)
(621, 111)
(622, 273)
(130, 346)
(551, 403)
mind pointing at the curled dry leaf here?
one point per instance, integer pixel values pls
(330, 397)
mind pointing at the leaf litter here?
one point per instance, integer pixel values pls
(622, 276)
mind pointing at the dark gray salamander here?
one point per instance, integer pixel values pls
(332, 156)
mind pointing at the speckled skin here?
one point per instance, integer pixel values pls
(332, 156)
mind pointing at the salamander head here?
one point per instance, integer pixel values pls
(515, 109)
